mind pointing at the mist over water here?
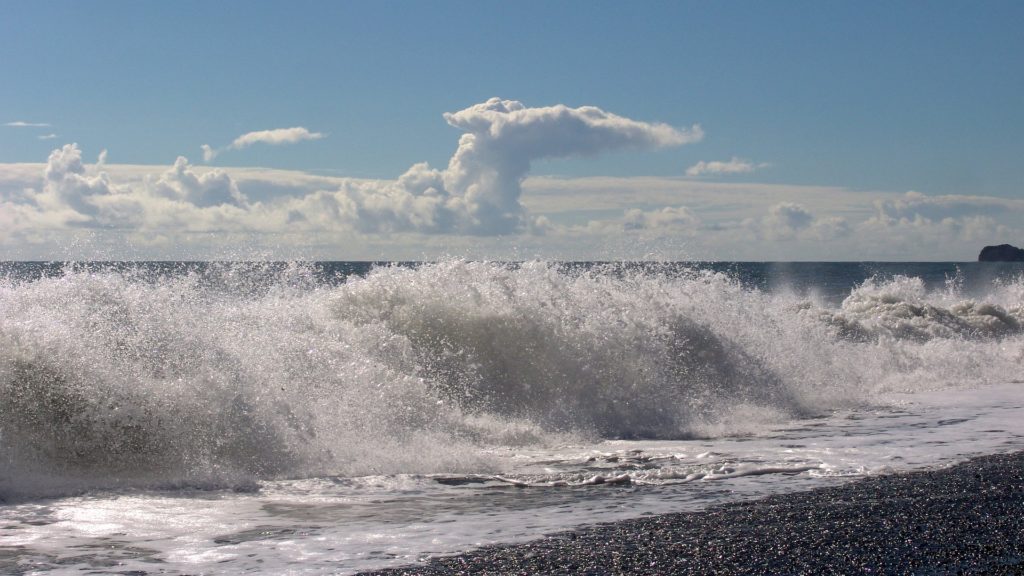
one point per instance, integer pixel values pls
(221, 375)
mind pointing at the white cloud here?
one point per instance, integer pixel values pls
(22, 124)
(73, 196)
(787, 221)
(941, 224)
(789, 217)
(208, 153)
(7, 211)
(70, 196)
(717, 167)
(945, 239)
(275, 137)
(210, 189)
(913, 205)
(714, 202)
(668, 217)
(416, 202)
(503, 137)
(50, 136)
(830, 228)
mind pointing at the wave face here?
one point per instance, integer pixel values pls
(225, 374)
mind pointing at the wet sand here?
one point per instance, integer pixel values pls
(967, 519)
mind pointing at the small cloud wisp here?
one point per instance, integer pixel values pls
(23, 124)
(275, 137)
(718, 167)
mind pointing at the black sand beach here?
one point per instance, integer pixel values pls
(967, 519)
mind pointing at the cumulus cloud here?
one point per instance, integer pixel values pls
(634, 223)
(182, 200)
(416, 202)
(668, 217)
(789, 217)
(76, 196)
(914, 205)
(940, 221)
(211, 189)
(23, 124)
(947, 238)
(791, 221)
(830, 228)
(503, 137)
(275, 137)
(70, 196)
(717, 167)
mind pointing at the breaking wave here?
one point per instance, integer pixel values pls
(902, 308)
(221, 376)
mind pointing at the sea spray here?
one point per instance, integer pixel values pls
(901, 308)
(620, 352)
(221, 374)
(106, 378)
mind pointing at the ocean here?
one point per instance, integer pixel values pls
(328, 418)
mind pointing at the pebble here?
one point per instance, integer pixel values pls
(966, 519)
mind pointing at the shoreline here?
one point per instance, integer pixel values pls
(965, 519)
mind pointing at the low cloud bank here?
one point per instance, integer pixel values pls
(477, 194)
(477, 200)
(480, 191)
(916, 206)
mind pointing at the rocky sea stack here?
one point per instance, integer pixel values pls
(1001, 253)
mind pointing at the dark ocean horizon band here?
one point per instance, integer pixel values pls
(830, 280)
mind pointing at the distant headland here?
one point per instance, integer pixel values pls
(1001, 253)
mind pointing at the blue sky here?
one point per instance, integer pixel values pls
(880, 98)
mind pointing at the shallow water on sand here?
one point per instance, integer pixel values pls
(342, 525)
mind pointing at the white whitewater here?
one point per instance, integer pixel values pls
(234, 420)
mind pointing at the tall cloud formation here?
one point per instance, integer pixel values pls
(503, 137)
(479, 192)
(275, 137)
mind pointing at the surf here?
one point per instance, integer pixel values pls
(222, 375)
